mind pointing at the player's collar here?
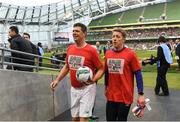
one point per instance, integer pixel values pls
(118, 50)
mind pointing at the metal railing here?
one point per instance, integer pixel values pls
(7, 61)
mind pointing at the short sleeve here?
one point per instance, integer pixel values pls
(135, 64)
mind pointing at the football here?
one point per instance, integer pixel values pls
(83, 74)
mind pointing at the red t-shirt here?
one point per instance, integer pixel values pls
(121, 67)
(77, 57)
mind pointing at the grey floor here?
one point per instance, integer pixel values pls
(164, 108)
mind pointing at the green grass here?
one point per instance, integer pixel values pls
(172, 78)
(149, 79)
(149, 71)
(141, 54)
(46, 62)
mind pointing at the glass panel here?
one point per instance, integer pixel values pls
(3, 11)
(43, 35)
(44, 10)
(12, 13)
(84, 1)
(52, 8)
(20, 14)
(28, 14)
(36, 12)
(44, 18)
(52, 16)
(35, 19)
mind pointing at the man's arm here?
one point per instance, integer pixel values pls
(98, 74)
(61, 75)
(159, 53)
(139, 81)
(141, 99)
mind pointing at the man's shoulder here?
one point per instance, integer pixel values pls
(94, 46)
(71, 46)
(109, 52)
(17, 39)
(91, 47)
(33, 45)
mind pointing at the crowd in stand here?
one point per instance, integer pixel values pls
(149, 33)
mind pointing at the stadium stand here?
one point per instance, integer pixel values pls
(154, 12)
(112, 19)
(156, 19)
(173, 10)
(131, 16)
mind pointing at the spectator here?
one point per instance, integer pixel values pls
(18, 43)
(107, 47)
(164, 59)
(98, 47)
(55, 61)
(177, 51)
(40, 53)
(26, 36)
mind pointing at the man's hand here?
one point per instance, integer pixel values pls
(90, 81)
(54, 84)
(141, 102)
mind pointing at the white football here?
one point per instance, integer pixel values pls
(83, 74)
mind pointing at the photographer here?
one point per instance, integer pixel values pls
(163, 60)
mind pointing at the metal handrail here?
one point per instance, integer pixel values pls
(54, 67)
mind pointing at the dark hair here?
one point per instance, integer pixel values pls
(161, 39)
(120, 30)
(15, 29)
(39, 44)
(27, 34)
(83, 27)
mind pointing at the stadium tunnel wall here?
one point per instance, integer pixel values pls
(27, 96)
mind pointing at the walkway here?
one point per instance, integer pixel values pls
(164, 108)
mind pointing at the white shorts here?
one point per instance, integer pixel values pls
(82, 100)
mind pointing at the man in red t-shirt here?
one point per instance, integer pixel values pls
(78, 55)
(121, 64)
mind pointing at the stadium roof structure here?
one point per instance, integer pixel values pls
(42, 21)
(62, 12)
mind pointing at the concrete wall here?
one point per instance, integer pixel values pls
(27, 96)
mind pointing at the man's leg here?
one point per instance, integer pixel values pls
(87, 102)
(75, 102)
(164, 81)
(94, 117)
(123, 111)
(157, 87)
(111, 111)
